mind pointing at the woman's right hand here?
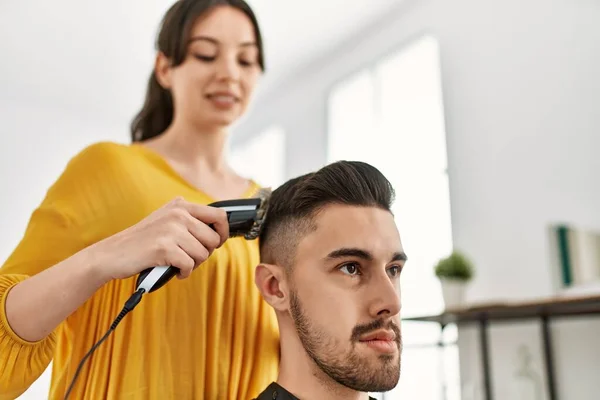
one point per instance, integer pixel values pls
(177, 234)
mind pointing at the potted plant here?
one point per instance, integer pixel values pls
(454, 272)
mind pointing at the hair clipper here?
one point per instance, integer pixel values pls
(245, 217)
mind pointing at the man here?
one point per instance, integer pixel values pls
(331, 258)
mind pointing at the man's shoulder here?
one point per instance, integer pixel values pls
(275, 392)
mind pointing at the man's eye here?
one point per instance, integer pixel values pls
(394, 271)
(350, 269)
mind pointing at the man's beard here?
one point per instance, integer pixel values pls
(347, 369)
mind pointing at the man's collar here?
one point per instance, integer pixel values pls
(276, 392)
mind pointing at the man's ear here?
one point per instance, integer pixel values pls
(162, 70)
(270, 281)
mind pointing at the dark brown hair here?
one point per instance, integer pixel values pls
(157, 112)
(293, 205)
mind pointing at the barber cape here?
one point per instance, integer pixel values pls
(276, 392)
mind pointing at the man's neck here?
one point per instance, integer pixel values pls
(299, 375)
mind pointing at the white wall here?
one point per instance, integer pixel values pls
(521, 98)
(37, 142)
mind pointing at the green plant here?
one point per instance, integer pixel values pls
(456, 266)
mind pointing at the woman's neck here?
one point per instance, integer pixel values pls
(197, 150)
(199, 158)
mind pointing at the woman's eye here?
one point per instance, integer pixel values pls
(350, 269)
(204, 58)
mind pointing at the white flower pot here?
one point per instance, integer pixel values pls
(453, 292)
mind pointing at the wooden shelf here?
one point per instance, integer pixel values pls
(549, 307)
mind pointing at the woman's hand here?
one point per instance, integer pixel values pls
(177, 234)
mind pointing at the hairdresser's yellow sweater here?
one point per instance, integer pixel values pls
(210, 336)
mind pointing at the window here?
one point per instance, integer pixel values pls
(262, 157)
(391, 115)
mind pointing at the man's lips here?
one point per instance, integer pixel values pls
(382, 335)
(381, 341)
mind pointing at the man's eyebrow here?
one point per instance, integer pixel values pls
(345, 252)
(215, 41)
(399, 256)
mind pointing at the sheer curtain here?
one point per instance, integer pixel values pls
(391, 115)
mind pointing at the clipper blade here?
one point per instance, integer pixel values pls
(264, 194)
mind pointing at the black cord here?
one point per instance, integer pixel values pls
(129, 305)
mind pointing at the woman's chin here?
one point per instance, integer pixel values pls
(214, 121)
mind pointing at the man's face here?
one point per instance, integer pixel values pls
(345, 296)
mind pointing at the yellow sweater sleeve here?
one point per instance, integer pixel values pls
(21, 362)
(51, 236)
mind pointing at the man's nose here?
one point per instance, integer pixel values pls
(385, 297)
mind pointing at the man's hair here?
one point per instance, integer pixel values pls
(294, 205)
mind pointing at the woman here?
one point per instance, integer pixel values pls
(119, 209)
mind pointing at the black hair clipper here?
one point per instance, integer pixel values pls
(245, 218)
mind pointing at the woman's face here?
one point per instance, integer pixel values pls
(213, 86)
